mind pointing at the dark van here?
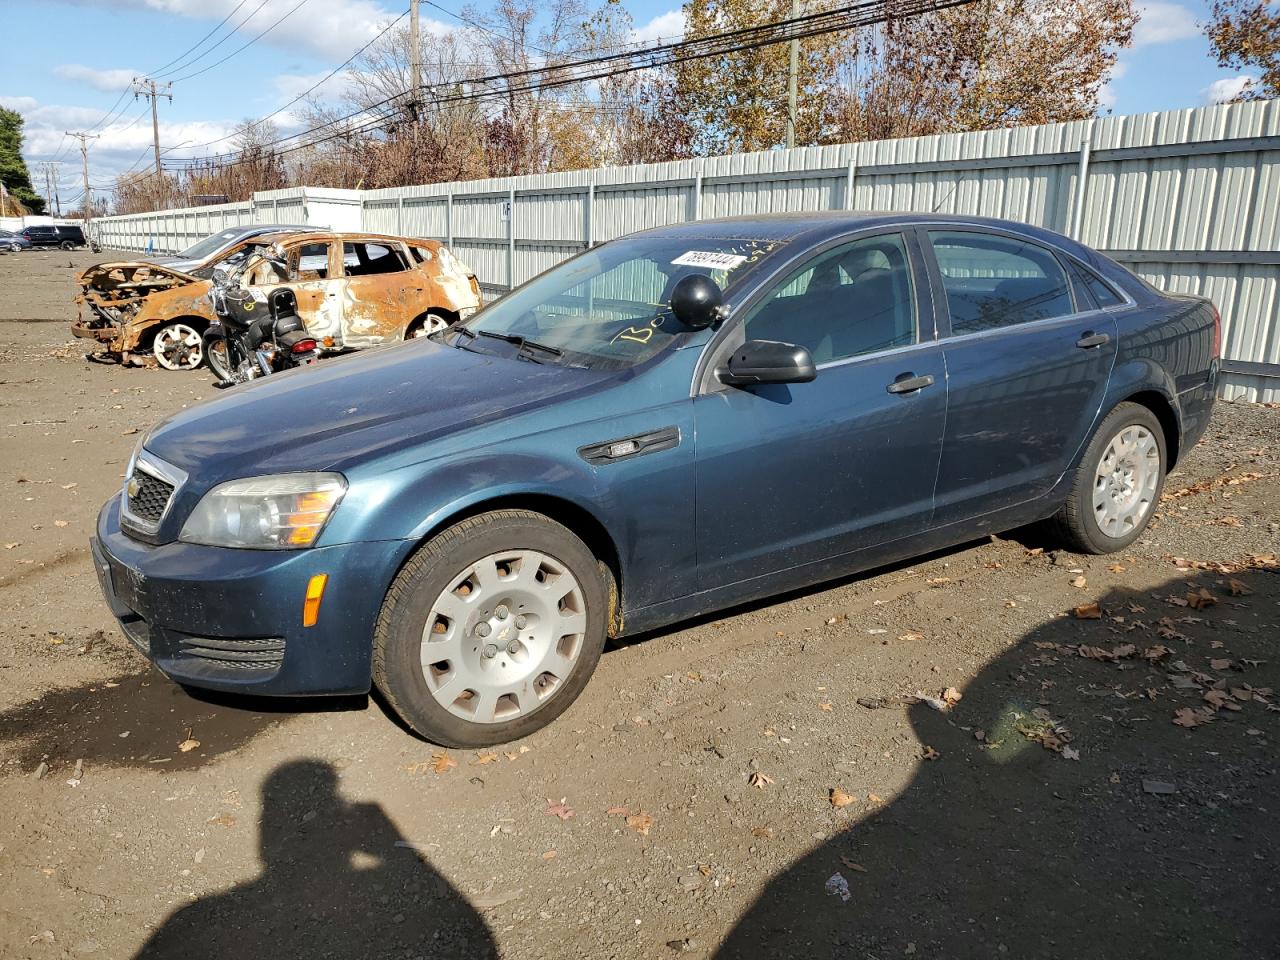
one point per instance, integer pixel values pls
(65, 236)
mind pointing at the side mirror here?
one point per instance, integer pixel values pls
(767, 361)
(696, 300)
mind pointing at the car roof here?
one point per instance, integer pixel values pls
(314, 236)
(818, 226)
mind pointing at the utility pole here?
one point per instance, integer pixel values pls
(415, 62)
(791, 80)
(145, 87)
(84, 139)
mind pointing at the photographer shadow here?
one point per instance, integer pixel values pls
(334, 883)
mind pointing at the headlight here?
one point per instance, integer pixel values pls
(283, 512)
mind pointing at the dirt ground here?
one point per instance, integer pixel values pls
(766, 783)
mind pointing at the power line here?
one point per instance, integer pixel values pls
(165, 66)
(231, 33)
(552, 76)
(294, 9)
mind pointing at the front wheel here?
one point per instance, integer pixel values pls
(178, 346)
(218, 353)
(1117, 484)
(491, 630)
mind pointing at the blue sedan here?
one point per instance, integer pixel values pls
(14, 242)
(668, 424)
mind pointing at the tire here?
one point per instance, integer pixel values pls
(430, 322)
(216, 355)
(468, 688)
(178, 346)
(15, 247)
(67, 245)
(1108, 509)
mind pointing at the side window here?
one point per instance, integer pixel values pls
(368, 259)
(994, 281)
(856, 298)
(1101, 291)
(309, 262)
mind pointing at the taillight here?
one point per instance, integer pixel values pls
(1217, 332)
(304, 346)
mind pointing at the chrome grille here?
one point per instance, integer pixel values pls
(148, 496)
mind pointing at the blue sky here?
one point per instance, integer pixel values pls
(79, 55)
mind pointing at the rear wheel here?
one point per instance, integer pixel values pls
(1117, 484)
(67, 245)
(491, 630)
(430, 322)
(178, 346)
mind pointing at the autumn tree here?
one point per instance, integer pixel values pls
(1245, 34)
(738, 101)
(985, 65)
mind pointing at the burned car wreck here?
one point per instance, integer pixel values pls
(353, 291)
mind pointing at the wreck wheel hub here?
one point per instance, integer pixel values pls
(177, 346)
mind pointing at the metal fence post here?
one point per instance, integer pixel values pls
(591, 213)
(1082, 181)
(511, 239)
(399, 215)
(848, 184)
(697, 194)
(448, 219)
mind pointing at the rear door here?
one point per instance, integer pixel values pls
(1028, 361)
(379, 292)
(308, 273)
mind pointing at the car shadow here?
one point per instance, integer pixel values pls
(1158, 841)
(337, 880)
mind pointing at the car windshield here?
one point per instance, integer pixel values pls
(609, 307)
(202, 248)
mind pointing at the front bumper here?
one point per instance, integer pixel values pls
(226, 619)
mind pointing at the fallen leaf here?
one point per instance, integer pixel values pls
(558, 809)
(187, 745)
(1199, 599)
(859, 868)
(640, 823)
(1188, 717)
(10, 546)
(130, 432)
(1157, 652)
(839, 798)
(951, 696)
(442, 762)
(1217, 664)
(938, 581)
(1217, 698)
(1115, 568)
(484, 758)
(1080, 582)
(759, 780)
(549, 855)
(911, 637)
(1089, 611)
(825, 707)
(62, 523)
(1238, 588)
(1070, 753)
(928, 753)
(616, 811)
(765, 833)
(222, 820)
(872, 798)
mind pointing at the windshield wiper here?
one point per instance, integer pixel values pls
(523, 343)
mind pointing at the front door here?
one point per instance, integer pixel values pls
(1027, 370)
(793, 474)
(307, 269)
(380, 295)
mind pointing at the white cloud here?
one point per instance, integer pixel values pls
(1106, 95)
(1163, 23)
(664, 26)
(110, 81)
(329, 29)
(1228, 88)
(21, 104)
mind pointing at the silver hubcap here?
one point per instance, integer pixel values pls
(504, 636)
(1124, 483)
(177, 347)
(432, 324)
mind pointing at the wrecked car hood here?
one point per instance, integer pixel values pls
(347, 412)
(130, 278)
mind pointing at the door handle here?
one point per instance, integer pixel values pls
(1093, 340)
(910, 383)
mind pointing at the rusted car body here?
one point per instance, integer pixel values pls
(354, 290)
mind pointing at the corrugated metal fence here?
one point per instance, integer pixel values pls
(1189, 199)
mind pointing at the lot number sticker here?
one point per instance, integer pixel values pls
(708, 258)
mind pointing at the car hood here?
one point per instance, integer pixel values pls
(347, 411)
(131, 278)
